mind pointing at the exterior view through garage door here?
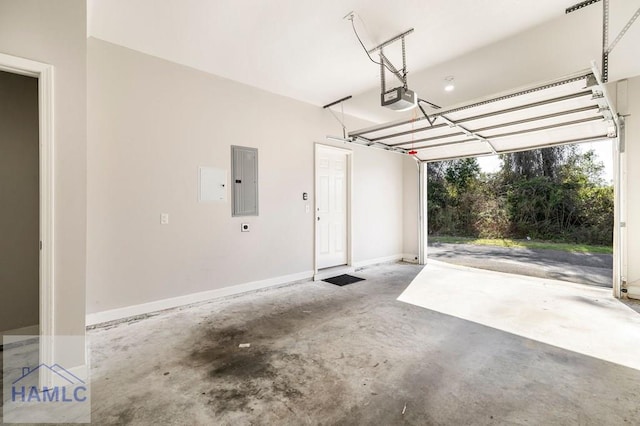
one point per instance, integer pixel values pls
(568, 110)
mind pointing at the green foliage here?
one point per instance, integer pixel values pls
(532, 244)
(554, 194)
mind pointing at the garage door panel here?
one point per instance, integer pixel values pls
(560, 109)
(544, 93)
(463, 149)
(570, 134)
(439, 141)
(535, 122)
(567, 110)
(427, 134)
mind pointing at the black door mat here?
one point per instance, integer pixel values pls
(343, 280)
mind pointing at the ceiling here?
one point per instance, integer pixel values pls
(306, 50)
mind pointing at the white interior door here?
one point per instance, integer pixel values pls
(331, 207)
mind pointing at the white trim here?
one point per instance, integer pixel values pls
(333, 271)
(423, 215)
(349, 155)
(189, 299)
(44, 73)
(376, 261)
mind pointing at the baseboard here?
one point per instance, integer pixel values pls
(378, 260)
(410, 258)
(72, 375)
(19, 334)
(174, 302)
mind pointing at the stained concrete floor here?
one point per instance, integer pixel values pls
(322, 354)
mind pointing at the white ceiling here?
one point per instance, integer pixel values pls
(305, 49)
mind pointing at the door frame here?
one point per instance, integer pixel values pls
(620, 258)
(349, 154)
(44, 73)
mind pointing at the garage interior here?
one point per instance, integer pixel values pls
(184, 152)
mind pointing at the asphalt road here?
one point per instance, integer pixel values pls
(582, 268)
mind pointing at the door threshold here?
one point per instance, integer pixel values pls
(333, 271)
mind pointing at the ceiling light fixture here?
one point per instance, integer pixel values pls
(449, 84)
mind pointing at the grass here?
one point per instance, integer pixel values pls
(507, 242)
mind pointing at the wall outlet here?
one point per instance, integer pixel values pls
(244, 227)
(164, 218)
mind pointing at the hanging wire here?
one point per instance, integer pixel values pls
(365, 49)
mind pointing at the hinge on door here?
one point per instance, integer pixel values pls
(40, 245)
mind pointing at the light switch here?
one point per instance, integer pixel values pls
(164, 218)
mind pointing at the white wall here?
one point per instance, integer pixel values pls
(151, 124)
(410, 198)
(55, 33)
(19, 300)
(632, 274)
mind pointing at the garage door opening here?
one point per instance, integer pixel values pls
(573, 109)
(545, 213)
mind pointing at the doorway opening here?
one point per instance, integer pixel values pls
(19, 193)
(546, 213)
(44, 244)
(572, 109)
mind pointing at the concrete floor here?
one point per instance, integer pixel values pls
(322, 354)
(577, 317)
(581, 268)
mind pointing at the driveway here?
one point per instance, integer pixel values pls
(582, 268)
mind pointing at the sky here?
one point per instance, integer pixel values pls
(603, 150)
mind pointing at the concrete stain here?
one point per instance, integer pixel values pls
(243, 377)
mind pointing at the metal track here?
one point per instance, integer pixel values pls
(580, 5)
(605, 41)
(511, 123)
(471, 118)
(391, 40)
(597, 106)
(519, 132)
(624, 30)
(577, 77)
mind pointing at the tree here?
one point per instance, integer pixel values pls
(448, 184)
(460, 173)
(535, 163)
(553, 193)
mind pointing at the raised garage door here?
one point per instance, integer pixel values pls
(572, 109)
(569, 110)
